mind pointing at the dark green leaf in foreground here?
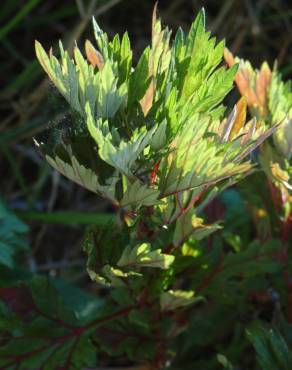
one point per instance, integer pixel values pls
(271, 349)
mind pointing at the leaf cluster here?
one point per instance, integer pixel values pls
(180, 288)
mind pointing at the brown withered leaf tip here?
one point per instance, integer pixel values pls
(263, 80)
(93, 56)
(240, 117)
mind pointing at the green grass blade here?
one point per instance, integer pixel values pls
(18, 17)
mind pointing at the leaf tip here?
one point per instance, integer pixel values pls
(93, 56)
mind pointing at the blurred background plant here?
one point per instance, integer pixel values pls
(57, 211)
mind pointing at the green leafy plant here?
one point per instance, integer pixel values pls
(272, 350)
(154, 138)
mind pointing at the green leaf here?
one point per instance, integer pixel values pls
(139, 79)
(45, 327)
(75, 172)
(137, 195)
(159, 138)
(142, 256)
(80, 83)
(280, 106)
(224, 362)
(196, 159)
(115, 277)
(83, 176)
(49, 301)
(141, 317)
(198, 80)
(74, 354)
(12, 232)
(123, 156)
(188, 225)
(271, 349)
(173, 299)
(253, 261)
(51, 66)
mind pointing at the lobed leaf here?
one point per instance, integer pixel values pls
(143, 256)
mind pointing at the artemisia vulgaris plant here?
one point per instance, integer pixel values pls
(155, 139)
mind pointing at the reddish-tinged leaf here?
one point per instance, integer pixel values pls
(252, 84)
(228, 57)
(153, 175)
(240, 117)
(263, 80)
(243, 79)
(147, 100)
(94, 57)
